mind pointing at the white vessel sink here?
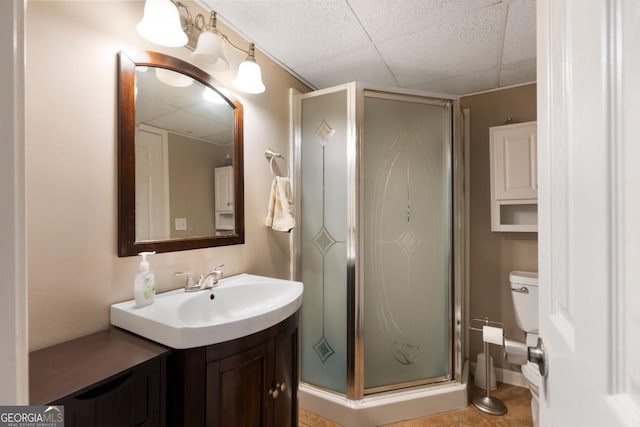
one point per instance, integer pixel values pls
(242, 305)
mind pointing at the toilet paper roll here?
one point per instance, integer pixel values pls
(492, 335)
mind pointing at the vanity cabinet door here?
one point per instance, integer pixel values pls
(238, 388)
(286, 379)
(250, 381)
(131, 399)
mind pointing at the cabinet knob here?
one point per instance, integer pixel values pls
(274, 392)
(277, 388)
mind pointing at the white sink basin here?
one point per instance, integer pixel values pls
(242, 305)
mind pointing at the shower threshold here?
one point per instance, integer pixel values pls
(388, 407)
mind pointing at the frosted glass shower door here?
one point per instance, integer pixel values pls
(323, 143)
(406, 227)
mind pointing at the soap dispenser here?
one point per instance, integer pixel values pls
(144, 285)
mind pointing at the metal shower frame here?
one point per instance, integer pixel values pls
(356, 93)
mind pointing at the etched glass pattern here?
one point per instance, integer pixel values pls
(323, 240)
(407, 228)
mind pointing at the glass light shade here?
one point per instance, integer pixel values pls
(161, 24)
(172, 78)
(209, 52)
(249, 78)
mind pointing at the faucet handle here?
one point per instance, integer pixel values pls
(218, 272)
(189, 282)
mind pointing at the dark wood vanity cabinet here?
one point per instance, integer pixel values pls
(251, 381)
(110, 378)
(133, 398)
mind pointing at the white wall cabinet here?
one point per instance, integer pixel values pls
(514, 180)
(224, 200)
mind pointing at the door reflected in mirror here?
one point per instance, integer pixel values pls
(180, 154)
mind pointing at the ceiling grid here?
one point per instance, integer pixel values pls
(447, 46)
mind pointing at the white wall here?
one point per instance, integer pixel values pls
(71, 138)
(13, 293)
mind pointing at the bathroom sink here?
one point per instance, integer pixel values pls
(239, 306)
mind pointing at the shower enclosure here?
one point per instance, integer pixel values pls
(378, 191)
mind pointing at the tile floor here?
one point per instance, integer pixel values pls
(517, 399)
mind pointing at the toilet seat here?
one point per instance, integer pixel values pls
(532, 376)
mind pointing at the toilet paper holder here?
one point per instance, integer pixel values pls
(487, 403)
(479, 323)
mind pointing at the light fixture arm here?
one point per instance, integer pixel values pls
(251, 52)
(199, 25)
(189, 20)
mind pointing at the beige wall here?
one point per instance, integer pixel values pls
(191, 184)
(493, 254)
(74, 273)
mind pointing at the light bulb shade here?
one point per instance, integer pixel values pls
(161, 24)
(249, 78)
(209, 52)
(172, 78)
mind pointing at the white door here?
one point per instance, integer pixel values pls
(152, 184)
(589, 210)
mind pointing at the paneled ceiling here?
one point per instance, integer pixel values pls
(447, 46)
(171, 101)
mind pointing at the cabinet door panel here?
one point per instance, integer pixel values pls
(286, 362)
(133, 399)
(237, 388)
(514, 162)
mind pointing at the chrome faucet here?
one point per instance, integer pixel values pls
(208, 281)
(211, 279)
(189, 284)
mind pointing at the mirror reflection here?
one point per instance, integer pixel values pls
(180, 151)
(184, 147)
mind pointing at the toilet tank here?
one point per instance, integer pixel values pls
(524, 292)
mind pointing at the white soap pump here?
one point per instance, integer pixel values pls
(144, 285)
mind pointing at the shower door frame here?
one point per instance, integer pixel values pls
(356, 93)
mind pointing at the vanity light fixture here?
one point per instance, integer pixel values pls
(159, 25)
(249, 78)
(209, 51)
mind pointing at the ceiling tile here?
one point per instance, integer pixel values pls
(364, 65)
(295, 32)
(520, 33)
(386, 19)
(461, 47)
(406, 43)
(518, 72)
(185, 124)
(463, 84)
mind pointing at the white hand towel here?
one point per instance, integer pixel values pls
(280, 213)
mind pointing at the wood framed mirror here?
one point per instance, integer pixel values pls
(180, 157)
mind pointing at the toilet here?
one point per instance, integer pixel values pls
(524, 292)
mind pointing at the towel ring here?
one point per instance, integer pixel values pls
(272, 155)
